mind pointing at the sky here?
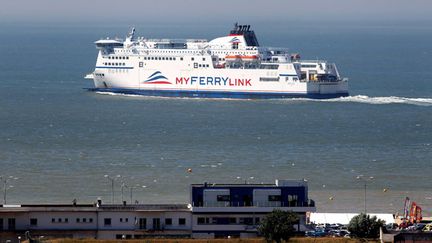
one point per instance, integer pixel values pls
(208, 11)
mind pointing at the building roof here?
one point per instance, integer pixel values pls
(92, 207)
(344, 218)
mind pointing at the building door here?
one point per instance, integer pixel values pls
(142, 223)
(156, 223)
(247, 200)
(11, 224)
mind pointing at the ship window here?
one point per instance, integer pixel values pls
(160, 58)
(203, 58)
(174, 58)
(181, 58)
(127, 57)
(192, 58)
(199, 65)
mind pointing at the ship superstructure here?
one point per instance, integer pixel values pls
(232, 66)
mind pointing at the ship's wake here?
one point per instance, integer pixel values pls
(349, 99)
(383, 100)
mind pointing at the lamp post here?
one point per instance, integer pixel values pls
(123, 185)
(131, 191)
(365, 181)
(5, 181)
(112, 179)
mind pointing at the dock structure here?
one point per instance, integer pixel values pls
(215, 211)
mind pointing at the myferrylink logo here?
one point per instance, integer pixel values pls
(221, 81)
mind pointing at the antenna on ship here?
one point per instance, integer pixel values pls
(131, 33)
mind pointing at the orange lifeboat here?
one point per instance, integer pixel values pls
(241, 57)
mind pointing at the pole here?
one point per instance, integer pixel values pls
(4, 191)
(131, 189)
(112, 190)
(365, 185)
(122, 187)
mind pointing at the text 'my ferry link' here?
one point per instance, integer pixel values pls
(233, 66)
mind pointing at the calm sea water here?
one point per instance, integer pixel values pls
(60, 140)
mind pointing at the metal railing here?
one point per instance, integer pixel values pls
(309, 203)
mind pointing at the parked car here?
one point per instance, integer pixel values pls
(315, 233)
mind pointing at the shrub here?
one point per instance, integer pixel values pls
(278, 225)
(363, 226)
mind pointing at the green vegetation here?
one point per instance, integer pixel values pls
(278, 226)
(363, 226)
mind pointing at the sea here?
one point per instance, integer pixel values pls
(60, 142)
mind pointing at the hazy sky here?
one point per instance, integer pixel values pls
(209, 11)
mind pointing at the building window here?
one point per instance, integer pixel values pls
(66, 220)
(168, 221)
(232, 220)
(126, 220)
(59, 220)
(84, 220)
(77, 220)
(1, 224)
(257, 220)
(274, 198)
(91, 220)
(107, 221)
(202, 220)
(11, 224)
(53, 220)
(33, 222)
(246, 221)
(223, 198)
(292, 200)
(142, 223)
(182, 221)
(121, 220)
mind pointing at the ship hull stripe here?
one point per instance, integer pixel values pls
(219, 94)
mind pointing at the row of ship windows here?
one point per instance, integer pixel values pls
(100, 74)
(110, 57)
(114, 63)
(213, 52)
(162, 58)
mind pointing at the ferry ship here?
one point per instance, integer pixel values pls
(232, 66)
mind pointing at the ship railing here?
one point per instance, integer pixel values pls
(311, 61)
(177, 40)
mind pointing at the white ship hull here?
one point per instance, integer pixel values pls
(200, 71)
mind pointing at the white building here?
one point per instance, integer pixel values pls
(95, 221)
(216, 210)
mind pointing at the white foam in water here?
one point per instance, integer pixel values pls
(355, 99)
(384, 100)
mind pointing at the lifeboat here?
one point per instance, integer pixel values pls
(241, 57)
